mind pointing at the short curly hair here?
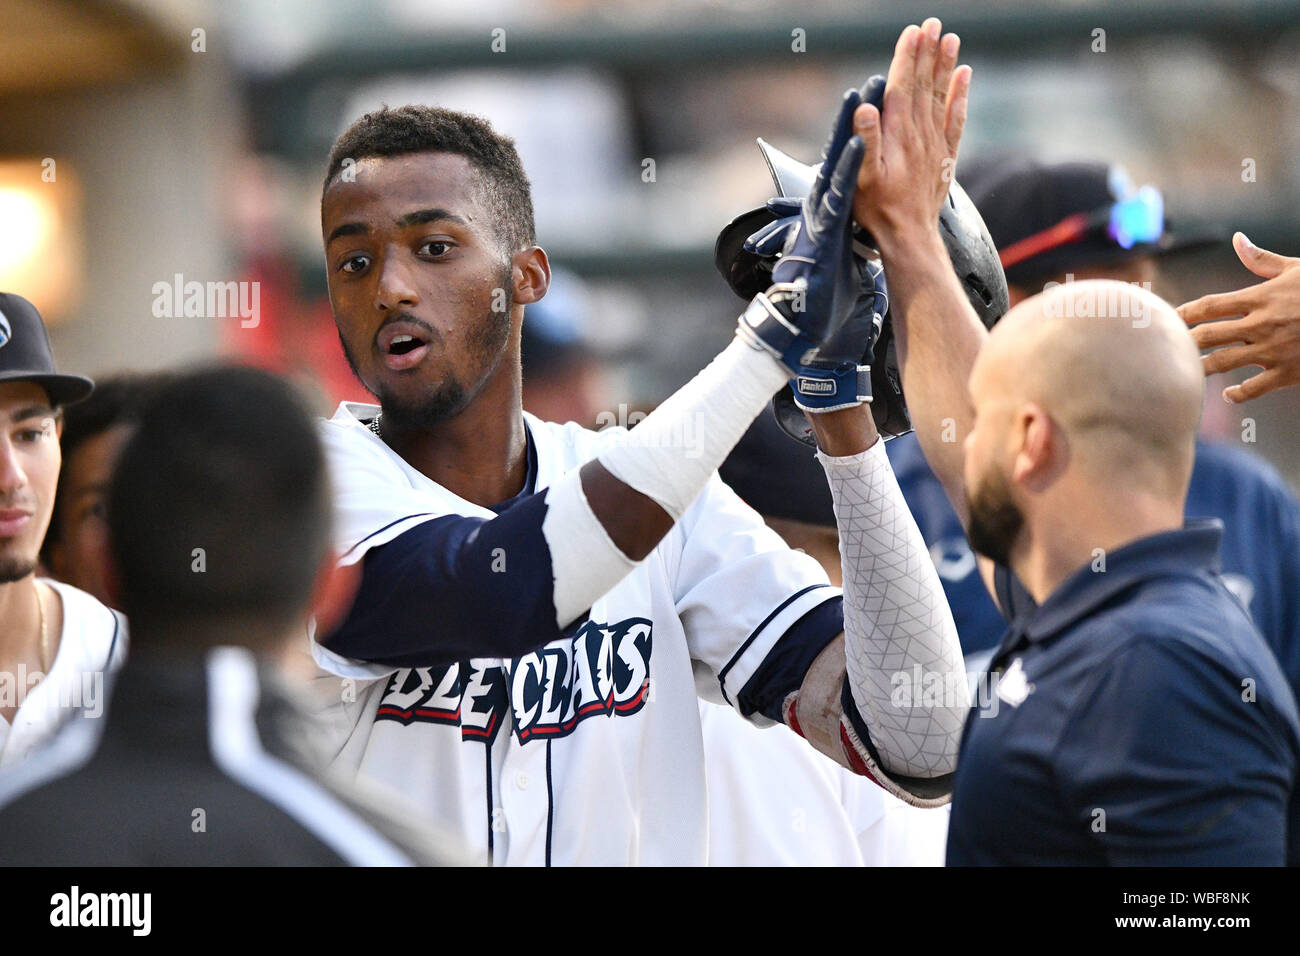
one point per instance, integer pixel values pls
(503, 186)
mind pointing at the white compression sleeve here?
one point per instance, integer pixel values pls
(669, 457)
(897, 623)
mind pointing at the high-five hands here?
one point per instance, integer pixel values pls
(911, 150)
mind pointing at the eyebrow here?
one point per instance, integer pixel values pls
(422, 216)
(347, 229)
(31, 411)
(417, 218)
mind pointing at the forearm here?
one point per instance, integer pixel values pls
(624, 502)
(898, 627)
(938, 336)
(845, 432)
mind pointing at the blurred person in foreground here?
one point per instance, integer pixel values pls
(57, 642)
(1067, 222)
(95, 430)
(1139, 716)
(219, 520)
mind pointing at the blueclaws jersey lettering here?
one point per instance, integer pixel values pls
(587, 751)
(604, 671)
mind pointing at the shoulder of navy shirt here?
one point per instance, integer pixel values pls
(1261, 545)
(1129, 700)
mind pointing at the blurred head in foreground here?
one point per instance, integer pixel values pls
(219, 517)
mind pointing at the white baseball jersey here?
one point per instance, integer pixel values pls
(775, 801)
(587, 751)
(93, 644)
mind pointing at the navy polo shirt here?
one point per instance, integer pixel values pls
(1138, 718)
(1260, 554)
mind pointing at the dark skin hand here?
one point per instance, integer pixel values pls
(410, 251)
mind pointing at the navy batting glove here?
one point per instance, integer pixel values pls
(838, 376)
(815, 283)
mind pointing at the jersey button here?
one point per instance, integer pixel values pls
(521, 780)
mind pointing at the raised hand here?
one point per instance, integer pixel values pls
(1266, 335)
(911, 146)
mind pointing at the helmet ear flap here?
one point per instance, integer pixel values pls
(888, 405)
(791, 417)
(974, 257)
(746, 272)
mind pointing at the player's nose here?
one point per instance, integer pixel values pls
(12, 476)
(395, 290)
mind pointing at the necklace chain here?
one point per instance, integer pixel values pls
(45, 634)
(374, 426)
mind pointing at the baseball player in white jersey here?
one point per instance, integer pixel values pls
(540, 605)
(57, 643)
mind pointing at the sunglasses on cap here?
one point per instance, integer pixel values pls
(1137, 218)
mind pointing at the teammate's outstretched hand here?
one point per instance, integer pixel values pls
(911, 152)
(1267, 334)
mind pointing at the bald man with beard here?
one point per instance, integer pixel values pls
(1137, 716)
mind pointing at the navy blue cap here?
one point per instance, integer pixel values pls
(25, 354)
(1021, 198)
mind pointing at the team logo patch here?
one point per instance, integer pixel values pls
(1013, 686)
(601, 670)
(6, 330)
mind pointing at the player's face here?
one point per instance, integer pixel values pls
(80, 555)
(995, 520)
(420, 286)
(29, 473)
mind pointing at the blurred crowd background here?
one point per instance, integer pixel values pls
(142, 140)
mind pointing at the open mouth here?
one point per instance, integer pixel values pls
(403, 345)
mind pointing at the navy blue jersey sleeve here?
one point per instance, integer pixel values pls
(1165, 761)
(783, 670)
(454, 588)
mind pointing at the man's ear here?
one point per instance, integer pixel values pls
(1042, 451)
(336, 589)
(531, 274)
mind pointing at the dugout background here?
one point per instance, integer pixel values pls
(207, 163)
